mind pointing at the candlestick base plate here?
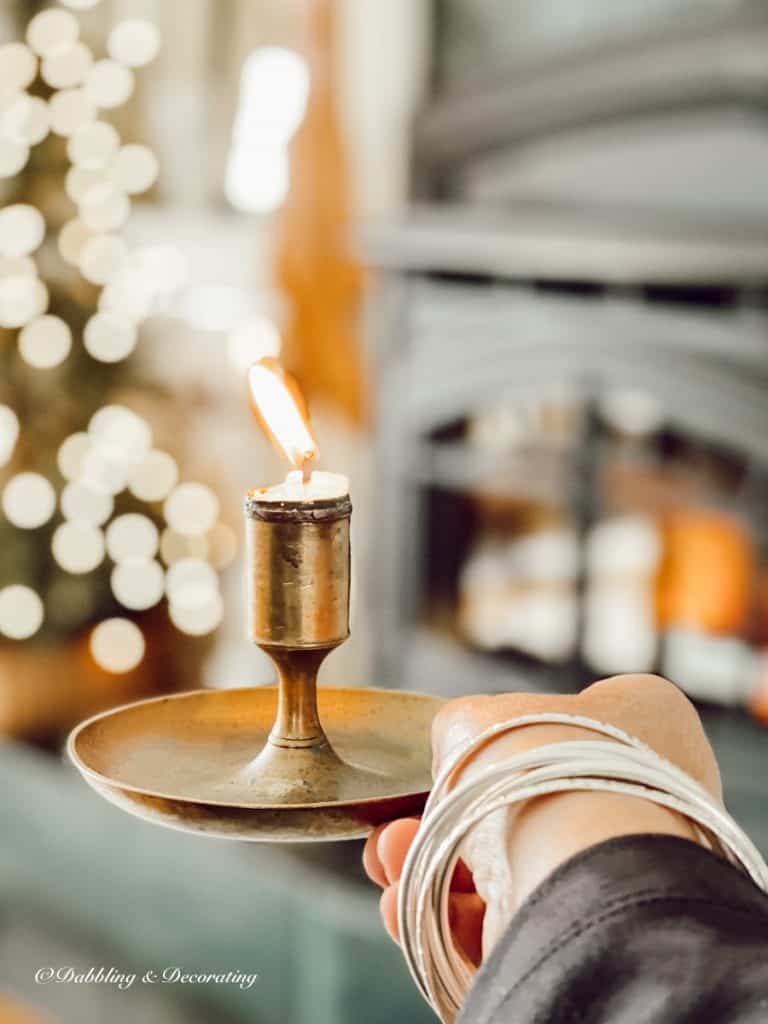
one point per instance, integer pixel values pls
(203, 762)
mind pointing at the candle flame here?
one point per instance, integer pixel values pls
(283, 413)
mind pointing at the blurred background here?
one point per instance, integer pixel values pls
(516, 254)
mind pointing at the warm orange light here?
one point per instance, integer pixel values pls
(282, 412)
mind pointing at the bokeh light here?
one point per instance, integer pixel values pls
(109, 337)
(78, 547)
(274, 86)
(18, 67)
(21, 612)
(134, 42)
(105, 468)
(45, 342)
(222, 546)
(29, 500)
(138, 583)
(108, 84)
(22, 229)
(70, 109)
(118, 427)
(101, 257)
(22, 298)
(13, 157)
(71, 453)
(117, 645)
(9, 433)
(154, 477)
(72, 239)
(135, 169)
(189, 581)
(132, 536)
(198, 619)
(84, 504)
(191, 508)
(25, 119)
(66, 68)
(175, 546)
(93, 144)
(104, 208)
(52, 30)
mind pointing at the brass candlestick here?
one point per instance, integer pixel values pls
(285, 763)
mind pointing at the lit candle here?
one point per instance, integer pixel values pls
(285, 419)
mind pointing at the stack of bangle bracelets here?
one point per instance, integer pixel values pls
(627, 767)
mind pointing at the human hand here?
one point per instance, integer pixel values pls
(509, 854)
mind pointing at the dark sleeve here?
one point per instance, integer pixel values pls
(647, 929)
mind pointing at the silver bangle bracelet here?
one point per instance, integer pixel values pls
(628, 767)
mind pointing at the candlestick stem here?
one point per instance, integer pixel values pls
(298, 722)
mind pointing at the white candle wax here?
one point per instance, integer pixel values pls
(319, 486)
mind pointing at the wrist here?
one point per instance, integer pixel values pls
(547, 831)
(516, 850)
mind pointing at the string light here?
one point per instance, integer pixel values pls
(116, 450)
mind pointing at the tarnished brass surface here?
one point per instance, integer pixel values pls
(191, 761)
(297, 572)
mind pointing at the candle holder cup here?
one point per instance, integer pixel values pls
(288, 763)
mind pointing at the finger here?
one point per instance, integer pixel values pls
(465, 915)
(462, 880)
(388, 911)
(394, 842)
(373, 866)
